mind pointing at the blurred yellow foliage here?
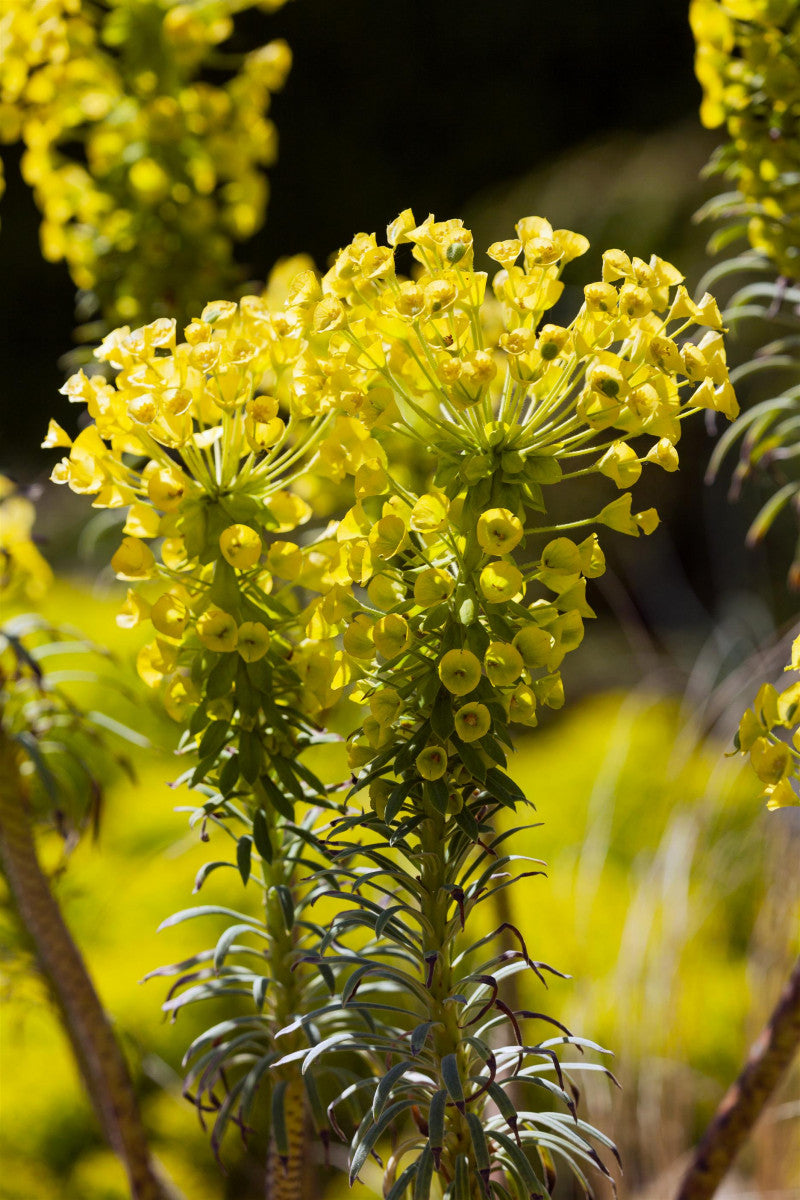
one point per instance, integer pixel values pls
(654, 900)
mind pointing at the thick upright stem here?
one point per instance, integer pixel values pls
(447, 1037)
(100, 1059)
(744, 1101)
(287, 1172)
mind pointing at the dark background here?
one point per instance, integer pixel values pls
(585, 113)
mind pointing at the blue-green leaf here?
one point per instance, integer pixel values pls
(452, 1080)
(244, 854)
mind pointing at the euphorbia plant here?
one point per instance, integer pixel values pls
(444, 601)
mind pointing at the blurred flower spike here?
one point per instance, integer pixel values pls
(169, 168)
(769, 733)
(24, 573)
(748, 63)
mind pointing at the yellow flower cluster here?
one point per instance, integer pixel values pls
(454, 638)
(24, 574)
(748, 62)
(170, 167)
(450, 629)
(769, 733)
(200, 441)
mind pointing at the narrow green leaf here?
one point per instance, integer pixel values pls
(244, 855)
(278, 1129)
(214, 738)
(315, 1102)
(251, 755)
(467, 824)
(280, 802)
(395, 801)
(385, 917)
(437, 795)
(505, 1105)
(261, 839)
(201, 770)
(424, 1165)
(204, 872)
(479, 1143)
(384, 1089)
(229, 775)
(503, 788)
(206, 910)
(123, 731)
(537, 1189)
(225, 941)
(442, 719)
(321, 1047)
(769, 512)
(461, 1189)
(398, 1190)
(419, 1036)
(363, 1147)
(286, 902)
(452, 1080)
(436, 1111)
(287, 777)
(220, 680)
(471, 758)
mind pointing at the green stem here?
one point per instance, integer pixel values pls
(286, 1172)
(99, 1057)
(438, 947)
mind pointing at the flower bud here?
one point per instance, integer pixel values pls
(217, 630)
(385, 705)
(429, 514)
(391, 635)
(384, 592)
(166, 489)
(432, 762)
(254, 640)
(535, 645)
(169, 615)
(432, 586)
(357, 639)
(240, 546)
(501, 581)
(472, 722)
(460, 671)
(771, 761)
(387, 536)
(503, 663)
(133, 559)
(664, 454)
(522, 705)
(499, 531)
(621, 464)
